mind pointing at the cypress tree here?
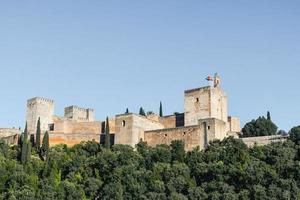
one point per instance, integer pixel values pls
(142, 112)
(38, 134)
(127, 111)
(45, 144)
(25, 136)
(28, 151)
(269, 116)
(160, 110)
(21, 139)
(25, 130)
(24, 152)
(107, 135)
(32, 141)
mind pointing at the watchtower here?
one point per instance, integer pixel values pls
(205, 102)
(39, 107)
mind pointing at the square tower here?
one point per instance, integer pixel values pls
(39, 107)
(80, 114)
(130, 128)
(205, 102)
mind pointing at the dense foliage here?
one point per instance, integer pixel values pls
(260, 127)
(227, 170)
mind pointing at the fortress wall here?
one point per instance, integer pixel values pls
(10, 135)
(71, 139)
(130, 128)
(112, 125)
(153, 117)
(215, 128)
(6, 132)
(168, 121)
(69, 126)
(234, 124)
(193, 136)
(263, 140)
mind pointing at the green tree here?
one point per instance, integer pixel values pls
(32, 141)
(269, 116)
(107, 134)
(177, 150)
(24, 151)
(127, 111)
(38, 134)
(112, 191)
(25, 129)
(259, 127)
(295, 134)
(28, 151)
(160, 110)
(142, 111)
(45, 144)
(25, 134)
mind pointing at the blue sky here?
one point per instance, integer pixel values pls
(110, 55)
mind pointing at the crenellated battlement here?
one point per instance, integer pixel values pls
(74, 107)
(40, 99)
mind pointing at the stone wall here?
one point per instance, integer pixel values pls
(39, 107)
(70, 126)
(130, 128)
(168, 121)
(263, 140)
(71, 139)
(215, 128)
(234, 124)
(193, 136)
(10, 135)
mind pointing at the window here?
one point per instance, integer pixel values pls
(51, 127)
(183, 134)
(166, 135)
(197, 99)
(208, 127)
(123, 123)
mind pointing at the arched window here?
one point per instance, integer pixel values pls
(123, 123)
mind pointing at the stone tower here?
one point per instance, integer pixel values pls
(39, 107)
(205, 102)
(79, 114)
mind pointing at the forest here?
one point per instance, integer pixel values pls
(226, 170)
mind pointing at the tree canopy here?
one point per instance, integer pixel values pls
(260, 127)
(226, 170)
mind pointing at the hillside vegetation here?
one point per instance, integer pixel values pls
(227, 170)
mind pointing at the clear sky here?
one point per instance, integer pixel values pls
(110, 55)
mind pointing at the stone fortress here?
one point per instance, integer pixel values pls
(205, 118)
